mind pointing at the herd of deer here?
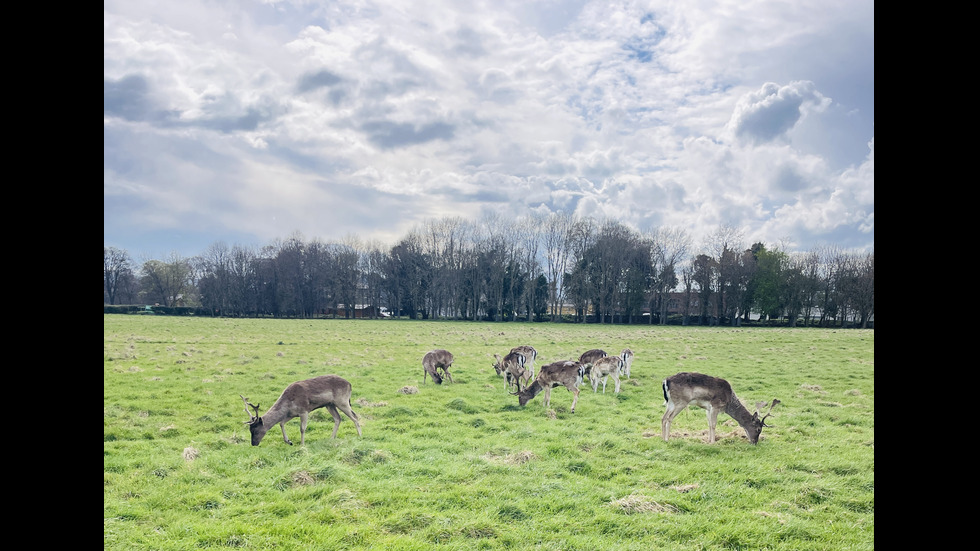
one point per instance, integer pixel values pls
(517, 367)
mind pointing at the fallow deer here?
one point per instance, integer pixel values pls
(434, 360)
(627, 356)
(298, 400)
(566, 373)
(714, 395)
(603, 368)
(530, 355)
(512, 368)
(590, 357)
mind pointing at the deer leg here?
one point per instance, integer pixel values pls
(604, 379)
(350, 413)
(712, 421)
(303, 418)
(672, 411)
(575, 399)
(284, 437)
(616, 380)
(336, 419)
(547, 397)
(445, 370)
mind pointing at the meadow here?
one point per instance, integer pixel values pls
(462, 466)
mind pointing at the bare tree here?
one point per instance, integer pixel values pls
(557, 237)
(705, 275)
(117, 272)
(372, 270)
(725, 246)
(214, 282)
(345, 260)
(864, 289)
(669, 247)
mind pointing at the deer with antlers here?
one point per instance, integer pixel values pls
(715, 395)
(298, 400)
(512, 368)
(568, 374)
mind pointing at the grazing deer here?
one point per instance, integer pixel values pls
(714, 395)
(436, 359)
(590, 357)
(298, 400)
(512, 368)
(627, 356)
(567, 373)
(603, 368)
(530, 354)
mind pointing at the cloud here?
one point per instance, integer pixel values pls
(317, 80)
(773, 110)
(652, 112)
(388, 134)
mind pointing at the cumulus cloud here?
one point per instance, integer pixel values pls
(650, 112)
(773, 110)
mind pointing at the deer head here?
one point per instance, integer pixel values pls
(754, 428)
(255, 425)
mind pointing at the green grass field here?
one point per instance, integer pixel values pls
(461, 466)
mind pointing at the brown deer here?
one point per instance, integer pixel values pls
(298, 400)
(603, 368)
(590, 357)
(434, 360)
(530, 354)
(627, 356)
(714, 395)
(512, 368)
(566, 373)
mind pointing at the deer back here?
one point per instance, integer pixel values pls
(566, 373)
(437, 358)
(607, 365)
(699, 389)
(305, 396)
(590, 357)
(528, 351)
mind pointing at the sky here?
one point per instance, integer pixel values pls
(247, 121)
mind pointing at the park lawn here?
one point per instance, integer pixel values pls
(462, 466)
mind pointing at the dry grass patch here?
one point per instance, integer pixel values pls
(636, 503)
(684, 488)
(779, 518)
(364, 402)
(191, 453)
(812, 388)
(519, 458)
(409, 390)
(302, 478)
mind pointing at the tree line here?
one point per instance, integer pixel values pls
(535, 268)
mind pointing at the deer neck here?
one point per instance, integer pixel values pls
(276, 414)
(737, 411)
(534, 389)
